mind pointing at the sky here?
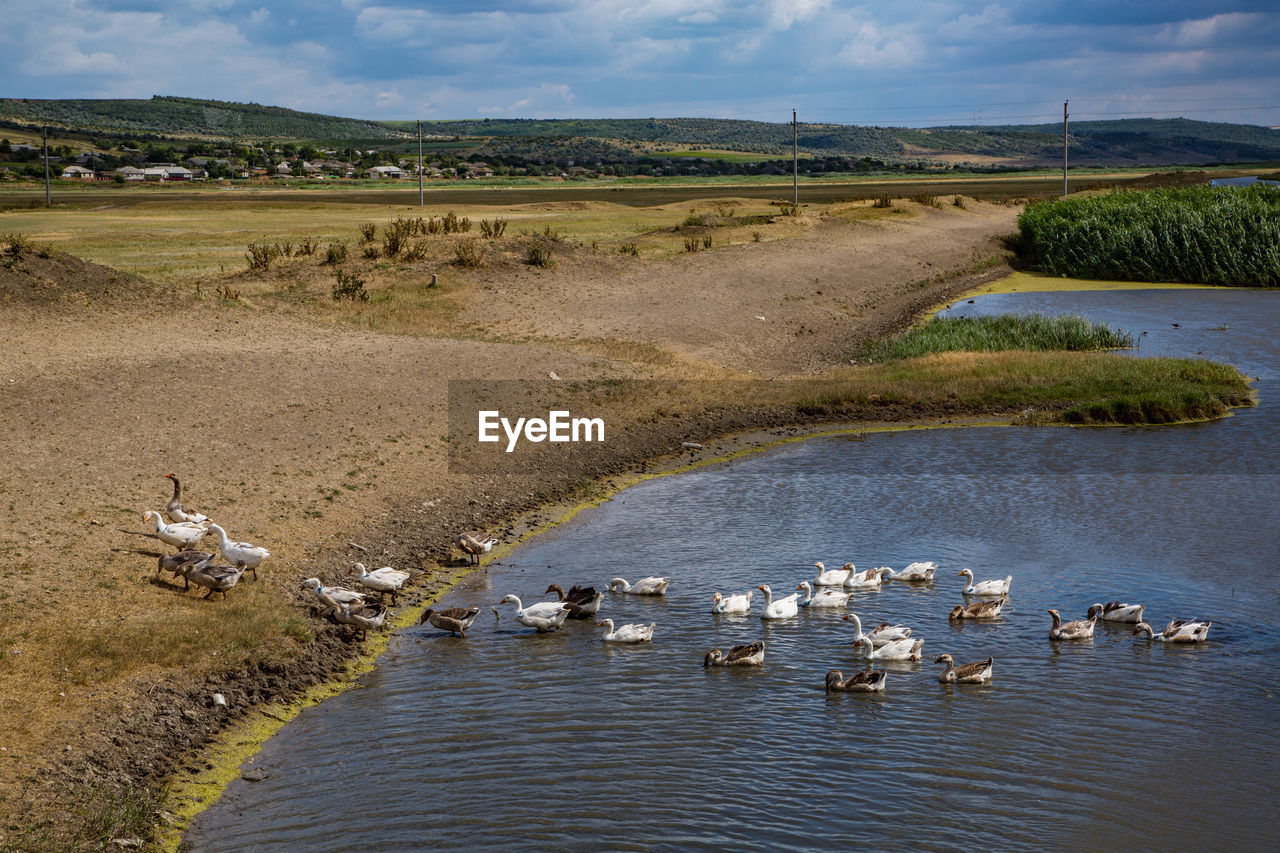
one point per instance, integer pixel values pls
(907, 62)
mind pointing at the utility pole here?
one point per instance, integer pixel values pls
(44, 140)
(419, 164)
(1064, 148)
(795, 161)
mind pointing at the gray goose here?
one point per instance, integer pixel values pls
(177, 563)
(473, 544)
(361, 618)
(583, 602)
(1081, 629)
(866, 681)
(988, 608)
(748, 654)
(969, 673)
(214, 578)
(455, 620)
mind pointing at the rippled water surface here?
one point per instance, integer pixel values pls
(513, 739)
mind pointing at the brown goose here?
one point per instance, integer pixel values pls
(969, 673)
(749, 654)
(986, 609)
(175, 511)
(474, 543)
(213, 578)
(1081, 629)
(866, 681)
(176, 562)
(583, 602)
(455, 620)
(361, 618)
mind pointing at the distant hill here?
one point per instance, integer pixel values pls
(189, 117)
(1120, 142)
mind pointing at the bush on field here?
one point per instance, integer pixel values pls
(1203, 235)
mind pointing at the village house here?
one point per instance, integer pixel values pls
(130, 173)
(385, 172)
(77, 173)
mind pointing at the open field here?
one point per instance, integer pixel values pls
(306, 423)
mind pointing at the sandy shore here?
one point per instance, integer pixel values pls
(314, 438)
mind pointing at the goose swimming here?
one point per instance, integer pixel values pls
(904, 649)
(969, 673)
(827, 598)
(1179, 631)
(1116, 611)
(583, 601)
(881, 634)
(1081, 629)
(783, 608)
(915, 572)
(545, 616)
(986, 588)
(645, 586)
(866, 681)
(455, 620)
(737, 604)
(834, 577)
(747, 654)
(988, 609)
(630, 633)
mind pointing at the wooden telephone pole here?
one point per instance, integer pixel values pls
(44, 143)
(1064, 148)
(795, 161)
(419, 164)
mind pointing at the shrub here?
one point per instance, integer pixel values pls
(691, 244)
(883, 200)
(789, 210)
(629, 249)
(694, 218)
(493, 230)
(225, 292)
(468, 254)
(958, 201)
(706, 242)
(349, 286)
(308, 247)
(756, 236)
(553, 235)
(15, 245)
(371, 252)
(416, 251)
(261, 255)
(396, 236)
(923, 197)
(367, 232)
(336, 253)
(538, 254)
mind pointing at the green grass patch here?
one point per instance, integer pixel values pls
(1033, 332)
(1199, 235)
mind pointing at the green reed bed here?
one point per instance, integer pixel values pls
(1199, 235)
(1035, 332)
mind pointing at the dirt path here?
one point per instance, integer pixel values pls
(766, 308)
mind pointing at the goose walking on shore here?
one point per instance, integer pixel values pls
(866, 681)
(385, 579)
(181, 535)
(746, 654)
(969, 673)
(333, 596)
(240, 552)
(474, 544)
(176, 512)
(361, 618)
(178, 562)
(213, 578)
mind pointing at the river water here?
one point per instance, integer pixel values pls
(510, 739)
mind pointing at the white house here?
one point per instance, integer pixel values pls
(77, 173)
(386, 172)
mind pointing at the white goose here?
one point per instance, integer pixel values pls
(969, 673)
(333, 596)
(881, 634)
(986, 589)
(915, 572)
(783, 608)
(240, 552)
(835, 577)
(1180, 631)
(631, 633)
(645, 586)
(1115, 611)
(826, 598)
(385, 579)
(905, 649)
(182, 535)
(867, 579)
(544, 615)
(737, 604)
(175, 511)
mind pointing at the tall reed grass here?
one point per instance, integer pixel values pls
(1035, 332)
(1200, 235)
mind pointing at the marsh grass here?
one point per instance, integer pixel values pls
(1034, 332)
(1200, 235)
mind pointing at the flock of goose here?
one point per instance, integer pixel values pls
(828, 590)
